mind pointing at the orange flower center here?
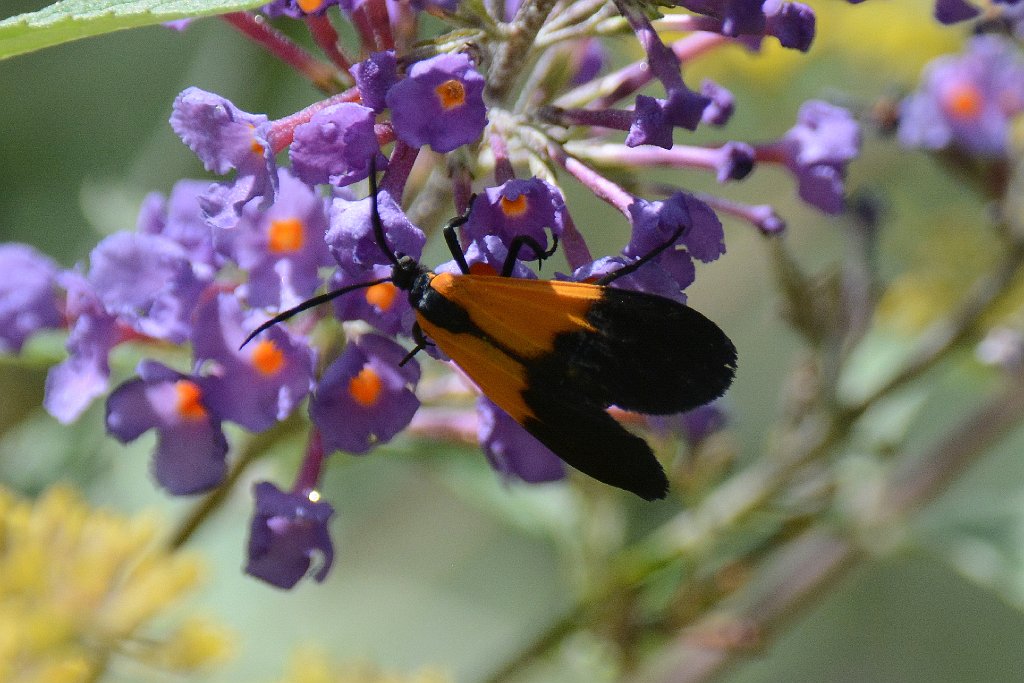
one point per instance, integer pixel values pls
(514, 208)
(382, 295)
(451, 94)
(256, 146)
(308, 6)
(365, 387)
(267, 358)
(963, 101)
(286, 235)
(190, 400)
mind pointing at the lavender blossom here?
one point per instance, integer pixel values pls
(512, 451)
(336, 145)
(288, 530)
(439, 103)
(28, 295)
(224, 138)
(255, 386)
(969, 100)
(73, 384)
(351, 237)
(365, 397)
(518, 208)
(281, 247)
(191, 447)
(374, 77)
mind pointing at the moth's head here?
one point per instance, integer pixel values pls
(405, 271)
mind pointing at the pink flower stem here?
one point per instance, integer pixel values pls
(326, 38)
(761, 216)
(399, 167)
(283, 130)
(503, 170)
(575, 248)
(373, 23)
(324, 76)
(312, 465)
(680, 156)
(607, 91)
(604, 188)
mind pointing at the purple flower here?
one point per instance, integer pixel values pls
(73, 384)
(721, 105)
(180, 218)
(384, 306)
(374, 77)
(953, 11)
(351, 237)
(191, 447)
(336, 145)
(288, 530)
(586, 61)
(817, 149)
(439, 103)
(735, 161)
(651, 278)
(694, 425)
(255, 386)
(792, 23)
(147, 282)
(654, 119)
(512, 450)
(297, 9)
(969, 100)
(281, 247)
(364, 398)
(518, 208)
(655, 222)
(739, 17)
(224, 137)
(28, 295)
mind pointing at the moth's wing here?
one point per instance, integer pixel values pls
(648, 354)
(575, 429)
(635, 350)
(585, 436)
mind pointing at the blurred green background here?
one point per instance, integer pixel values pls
(437, 562)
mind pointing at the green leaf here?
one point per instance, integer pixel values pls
(73, 19)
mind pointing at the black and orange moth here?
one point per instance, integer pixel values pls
(555, 355)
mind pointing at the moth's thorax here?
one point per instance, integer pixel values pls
(435, 307)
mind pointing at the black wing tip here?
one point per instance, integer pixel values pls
(590, 440)
(653, 490)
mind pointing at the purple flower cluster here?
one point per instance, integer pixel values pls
(969, 101)
(209, 262)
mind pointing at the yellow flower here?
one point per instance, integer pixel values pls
(79, 585)
(311, 665)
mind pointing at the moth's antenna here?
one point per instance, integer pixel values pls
(378, 225)
(310, 303)
(378, 232)
(646, 258)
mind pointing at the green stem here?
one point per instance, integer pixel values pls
(808, 566)
(949, 334)
(511, 55)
